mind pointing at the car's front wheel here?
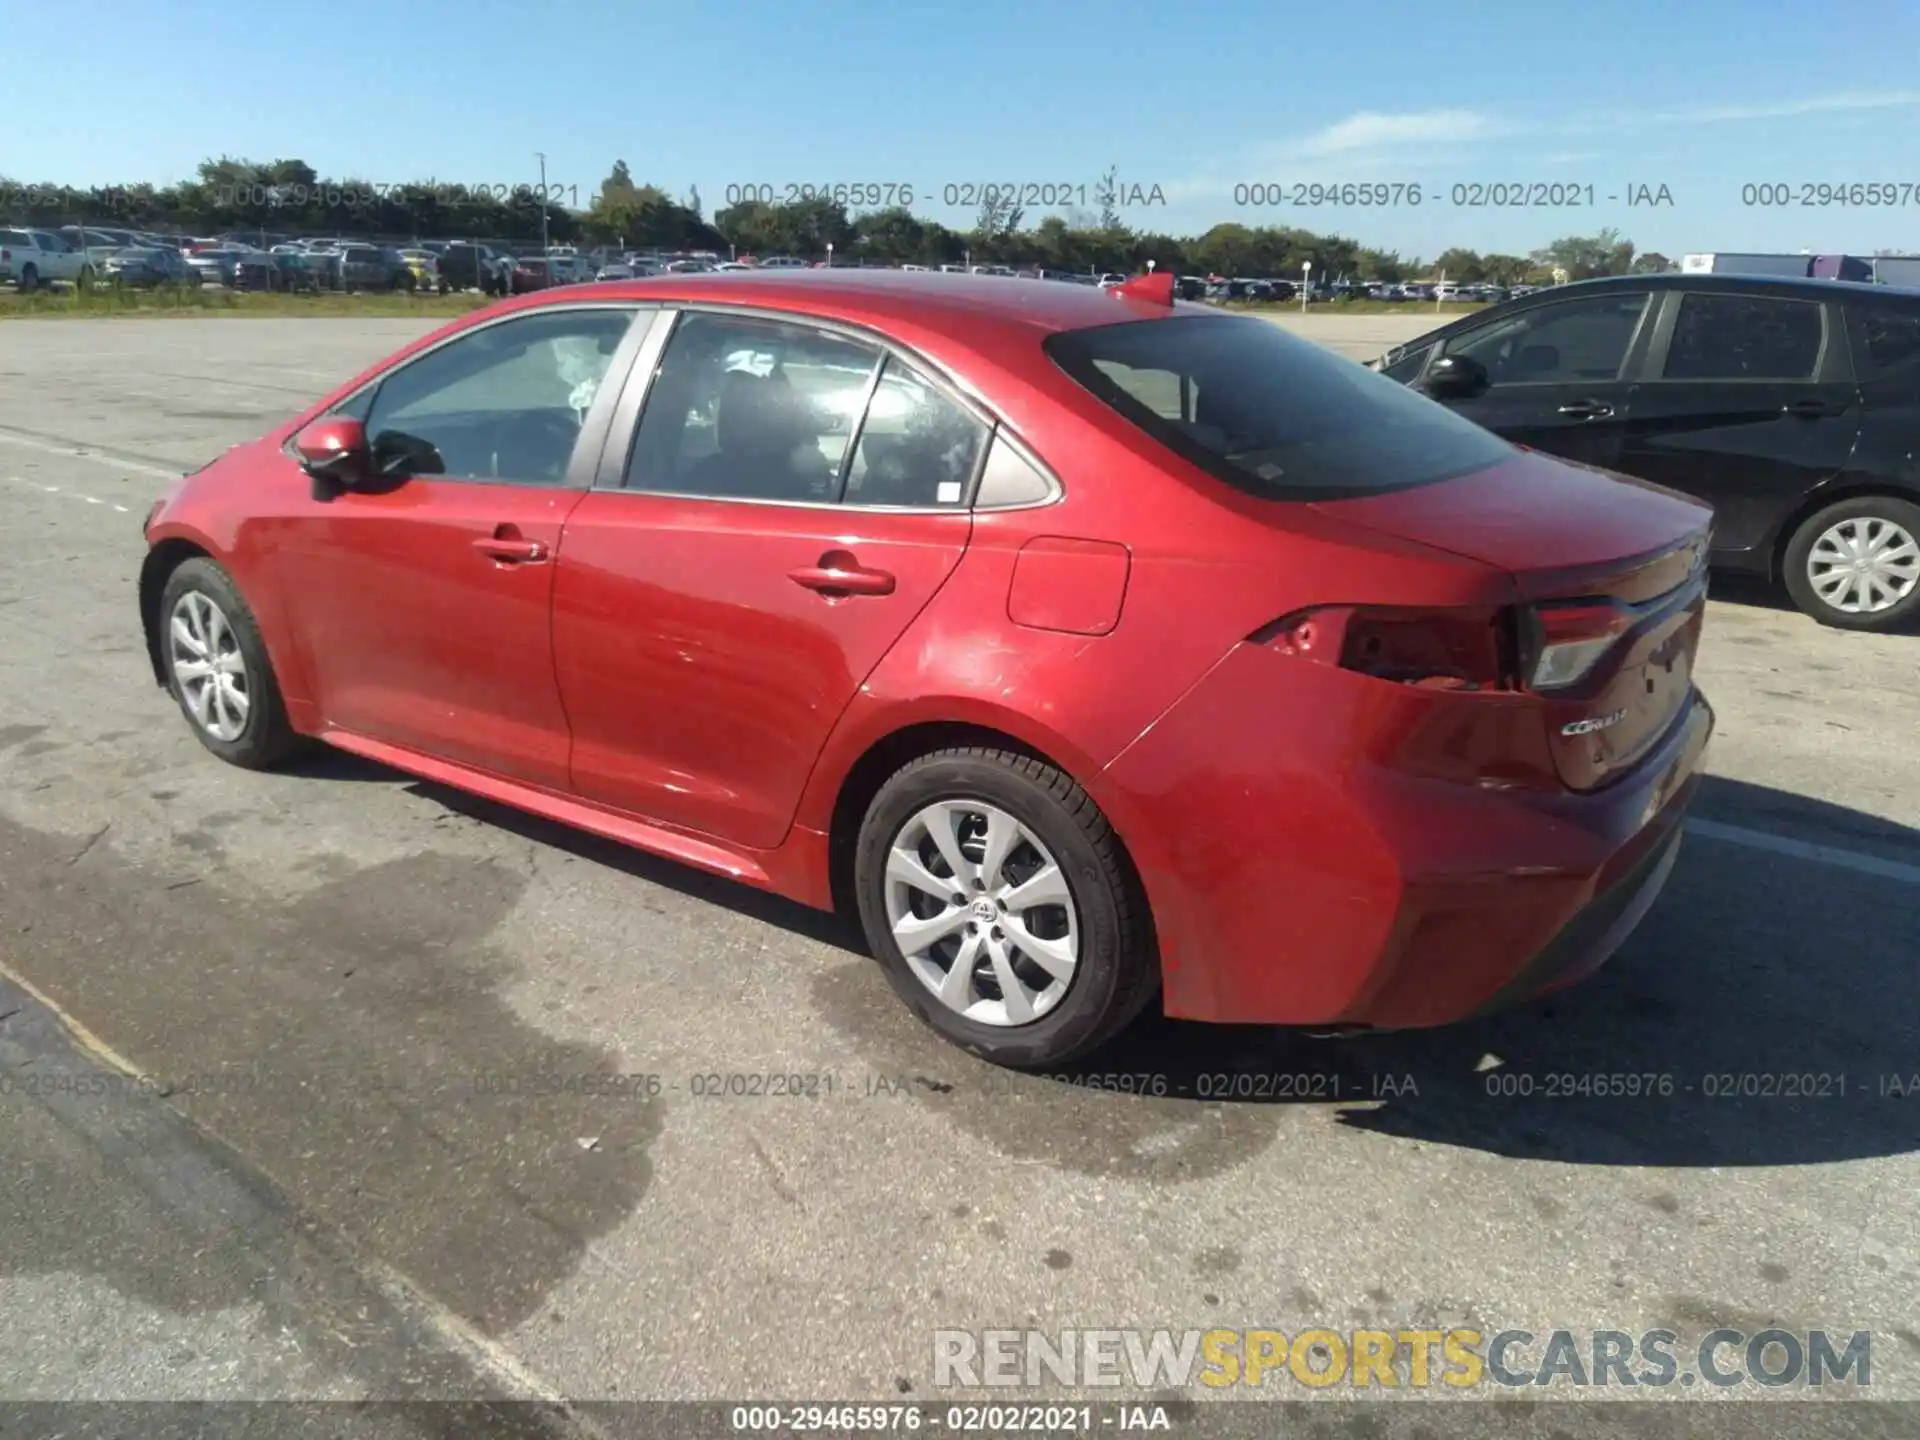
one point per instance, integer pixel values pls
(1856, 564)
(1002, 906)
(218, 669)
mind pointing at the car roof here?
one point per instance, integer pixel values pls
(1801, 285)
(879, 297)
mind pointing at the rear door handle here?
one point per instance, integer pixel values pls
(840, 574)
(1586, 410)
(511, 550)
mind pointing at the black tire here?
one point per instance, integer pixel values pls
(267, 738)
(29, 279)
(1117, 972)
(1897, 616)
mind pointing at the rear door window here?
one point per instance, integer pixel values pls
(1271, 413)
(749, 409)
(917, 447)
(1745, 337)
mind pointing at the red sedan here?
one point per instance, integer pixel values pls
(1095, 650)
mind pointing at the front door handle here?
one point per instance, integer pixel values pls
(1586, 410)
(1809, 409)
(839, 573)
(511, 548)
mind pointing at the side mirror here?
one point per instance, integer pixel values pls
(335, 449)
(1456, 377)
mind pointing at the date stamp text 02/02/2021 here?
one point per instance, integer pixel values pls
(1462, 194)
(955, 194)
(369, 195)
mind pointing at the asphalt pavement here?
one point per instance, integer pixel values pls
(330, 1084)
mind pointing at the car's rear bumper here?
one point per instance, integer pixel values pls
(1296, 880)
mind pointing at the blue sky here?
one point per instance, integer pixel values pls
(1702, 98)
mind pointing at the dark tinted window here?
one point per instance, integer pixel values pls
(1886, 338)
(1744, 337)
(751, 410)
(917, 447)
(1271, 413)
(503, 402)
(1562, 343)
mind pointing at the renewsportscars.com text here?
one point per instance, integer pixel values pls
(1391, 1359)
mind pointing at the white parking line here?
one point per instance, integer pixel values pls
(1806, 850)
(74, 452)
(71, 494)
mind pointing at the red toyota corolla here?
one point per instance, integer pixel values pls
(1089, 647)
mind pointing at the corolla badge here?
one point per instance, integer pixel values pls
(1593, 723)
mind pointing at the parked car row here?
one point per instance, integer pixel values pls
(1791, 405)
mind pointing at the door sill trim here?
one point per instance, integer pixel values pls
(569, 810)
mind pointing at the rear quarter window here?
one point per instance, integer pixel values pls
(1270, 413)
(1886, 339)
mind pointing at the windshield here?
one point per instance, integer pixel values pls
(1270, 413)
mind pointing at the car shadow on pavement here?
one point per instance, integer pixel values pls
(1766, 1012)
(1751, 591)
(696, 884)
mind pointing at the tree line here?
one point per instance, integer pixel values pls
(287, 197)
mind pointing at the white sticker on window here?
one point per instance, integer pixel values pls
(949, 492)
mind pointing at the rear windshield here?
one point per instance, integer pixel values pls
(1270, 413)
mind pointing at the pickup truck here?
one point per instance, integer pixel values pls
(32, 258)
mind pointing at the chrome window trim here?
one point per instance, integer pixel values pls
(626, 420)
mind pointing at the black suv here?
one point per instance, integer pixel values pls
(1792, 406)
(471, 267)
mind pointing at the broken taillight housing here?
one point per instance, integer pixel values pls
(1435, 649)
(1546, 647)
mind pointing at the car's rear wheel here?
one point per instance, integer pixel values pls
(218, 669)
(29, 278)
(1003, 908)
(1856, 564)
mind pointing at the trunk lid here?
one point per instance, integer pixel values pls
(1610, 578)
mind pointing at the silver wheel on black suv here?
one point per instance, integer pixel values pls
(1856, 564)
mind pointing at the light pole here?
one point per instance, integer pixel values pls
(541, 155)
(1306, 271)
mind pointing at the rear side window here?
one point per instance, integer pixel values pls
(917, 448)
(750, 409)
(1745, 337)
(1884, 338)
(1270, 413)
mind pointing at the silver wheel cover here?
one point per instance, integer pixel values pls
(205, 657)
(982, 912)
(1863, 565)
